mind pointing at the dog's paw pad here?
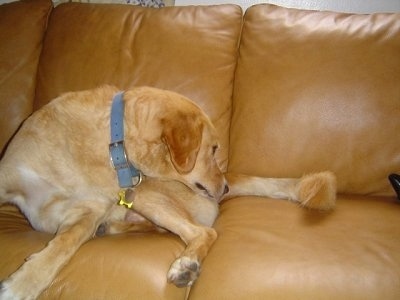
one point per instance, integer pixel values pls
(183, 272)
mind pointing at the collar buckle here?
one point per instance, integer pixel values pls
(118, 157)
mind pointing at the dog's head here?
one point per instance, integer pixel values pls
(174, 139)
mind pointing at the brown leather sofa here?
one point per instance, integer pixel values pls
(290, 92)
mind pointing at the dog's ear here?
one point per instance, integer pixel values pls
(182, 134)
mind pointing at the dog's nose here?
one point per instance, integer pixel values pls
(226, 189)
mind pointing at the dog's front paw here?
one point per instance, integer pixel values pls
(317, 191)
(183, 272)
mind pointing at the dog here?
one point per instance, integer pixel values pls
(57, 170)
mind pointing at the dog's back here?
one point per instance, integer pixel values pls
(49, 155)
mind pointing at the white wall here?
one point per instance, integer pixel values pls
(358, 6)
(56, 2)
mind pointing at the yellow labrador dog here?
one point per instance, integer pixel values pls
(57, 171)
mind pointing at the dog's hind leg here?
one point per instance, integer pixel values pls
(120, 219)
(7, 178)
(317, 190)
(117, 227)
(39, 270)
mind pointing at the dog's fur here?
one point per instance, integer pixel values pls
(56, 171)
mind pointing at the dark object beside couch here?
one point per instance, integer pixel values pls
(290, 92)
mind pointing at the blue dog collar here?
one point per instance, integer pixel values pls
(118, 157)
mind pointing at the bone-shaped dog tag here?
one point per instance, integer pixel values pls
(122, 195)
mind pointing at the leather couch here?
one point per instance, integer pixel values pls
(290, 92)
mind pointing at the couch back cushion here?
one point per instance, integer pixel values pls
(190, 50)
(318, 91)
(22, 27)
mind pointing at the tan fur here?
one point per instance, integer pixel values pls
(57, 171)
(316, 191)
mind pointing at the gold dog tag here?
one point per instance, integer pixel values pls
(122, 195)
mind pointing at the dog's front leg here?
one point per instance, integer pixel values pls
(316, 190)
(166, 208)
(39, 270)
(186, 268)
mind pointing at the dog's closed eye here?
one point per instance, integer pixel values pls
(203, 188)
(200, 187)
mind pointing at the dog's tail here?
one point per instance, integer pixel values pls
(317, 190)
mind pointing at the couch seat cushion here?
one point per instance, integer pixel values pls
(126, 266)
(272, 249)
